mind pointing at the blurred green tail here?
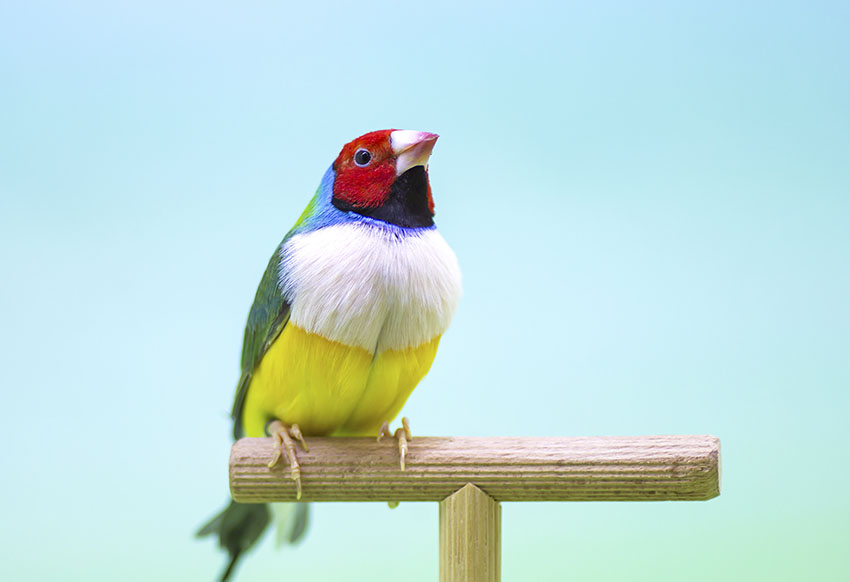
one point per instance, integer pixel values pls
(240, 525)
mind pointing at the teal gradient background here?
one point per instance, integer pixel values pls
(650, 203)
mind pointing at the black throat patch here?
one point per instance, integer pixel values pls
(407, 204)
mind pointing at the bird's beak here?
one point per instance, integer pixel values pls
(411, 148)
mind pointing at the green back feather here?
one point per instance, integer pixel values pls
(267, 318)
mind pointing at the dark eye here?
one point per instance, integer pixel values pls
(362, 157)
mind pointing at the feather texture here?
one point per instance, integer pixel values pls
(371, 285)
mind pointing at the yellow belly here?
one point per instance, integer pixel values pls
(330, 388)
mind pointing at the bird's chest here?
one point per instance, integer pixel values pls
(371, 287)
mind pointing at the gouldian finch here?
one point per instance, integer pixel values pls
(347, 317)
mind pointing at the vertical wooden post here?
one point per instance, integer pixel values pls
(470, 537)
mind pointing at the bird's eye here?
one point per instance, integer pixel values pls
(362, 157)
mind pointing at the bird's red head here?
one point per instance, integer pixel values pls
(383, 175)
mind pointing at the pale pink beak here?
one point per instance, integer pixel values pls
(411, 148)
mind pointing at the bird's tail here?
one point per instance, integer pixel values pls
(290, 520)
(239, 526)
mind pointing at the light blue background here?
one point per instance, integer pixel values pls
(650, 203)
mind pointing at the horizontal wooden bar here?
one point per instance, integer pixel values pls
(644, 468)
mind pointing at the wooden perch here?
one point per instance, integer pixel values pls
(648, 468)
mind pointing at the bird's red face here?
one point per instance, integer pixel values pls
(383, 175)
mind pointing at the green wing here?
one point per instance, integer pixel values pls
(267, 318)
(269, 315)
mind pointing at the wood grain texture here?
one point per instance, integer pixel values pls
(646, 468)
(470, 537)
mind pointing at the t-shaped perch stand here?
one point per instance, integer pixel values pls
(470, 476)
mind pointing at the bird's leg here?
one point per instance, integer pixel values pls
(282, 436)
(295, 431)
(402, 435)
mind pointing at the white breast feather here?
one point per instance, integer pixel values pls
(369, 286)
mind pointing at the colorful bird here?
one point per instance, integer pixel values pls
(346, 319)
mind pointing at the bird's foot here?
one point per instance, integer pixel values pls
(402, 435)
(282, 436)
